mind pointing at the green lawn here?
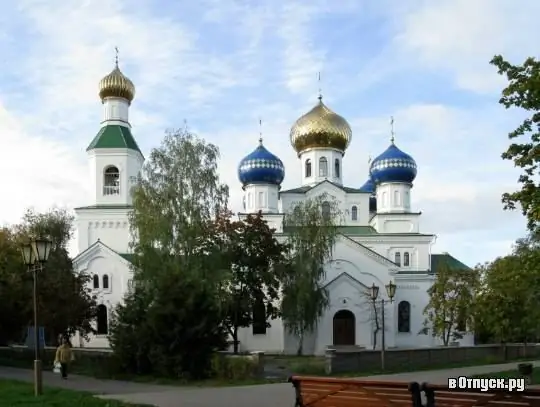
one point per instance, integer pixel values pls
(18, 394)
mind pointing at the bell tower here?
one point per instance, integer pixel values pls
(115, 161)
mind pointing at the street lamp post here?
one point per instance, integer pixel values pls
(390, 291)
(35, 253)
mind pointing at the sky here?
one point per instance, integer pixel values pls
(221, 65)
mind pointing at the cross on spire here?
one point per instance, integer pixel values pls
(319, 81)
(116, 56)
(260, 132)
(392, 134)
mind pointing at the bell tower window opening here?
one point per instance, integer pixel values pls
(308, 168)
(111, 181)
(323, 167)
(336, 168)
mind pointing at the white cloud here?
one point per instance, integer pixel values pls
(222, 65)
(460, 37)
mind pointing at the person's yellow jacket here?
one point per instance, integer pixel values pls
(64, 354)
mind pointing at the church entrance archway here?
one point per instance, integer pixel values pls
(344, 329)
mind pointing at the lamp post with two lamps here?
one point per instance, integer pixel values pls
(35, 254)
(374, 293)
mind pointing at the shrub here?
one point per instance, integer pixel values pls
(233, 367)
(172, 334)
(91, 363)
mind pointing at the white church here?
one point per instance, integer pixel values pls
(380, 238)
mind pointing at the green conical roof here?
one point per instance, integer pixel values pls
(114, 136)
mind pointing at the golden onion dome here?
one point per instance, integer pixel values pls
(116, 84)
(320, 128)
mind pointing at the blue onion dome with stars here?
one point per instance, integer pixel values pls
(261, 167)
(393, 166)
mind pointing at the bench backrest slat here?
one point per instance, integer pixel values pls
(333, 392)
(442, 396)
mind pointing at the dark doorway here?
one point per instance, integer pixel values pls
(344, 328)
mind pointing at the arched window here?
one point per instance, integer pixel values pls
(102, 320)
(406, 259)
(308, 168)
(326, 210)
(354, 213)
(323, 167)
(404, 316)
(397, 258)
(259, 318)
(106, 281)
(111, 181)
(336, 168)
(95, 280)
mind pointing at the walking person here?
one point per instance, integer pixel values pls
(64, 356)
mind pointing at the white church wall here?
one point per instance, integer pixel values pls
(395, 223)
(418, 248)
(270, 342)
(101, 263)
(109, 226)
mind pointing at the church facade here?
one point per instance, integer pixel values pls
(380, 240)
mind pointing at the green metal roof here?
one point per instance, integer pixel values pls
(357, 230)
(445, 259)
(345, 230)
(127, 256)
(306, 188)
(114, 136)
(105, 207)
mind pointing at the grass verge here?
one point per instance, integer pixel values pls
(315, 366)
(18, 394)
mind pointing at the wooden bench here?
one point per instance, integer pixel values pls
(333, 392)
(442, 396)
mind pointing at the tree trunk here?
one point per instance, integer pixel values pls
(235, 340)
(300, 349)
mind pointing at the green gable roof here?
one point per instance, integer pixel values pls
(127, 256)
(445, 259)
(114, 136)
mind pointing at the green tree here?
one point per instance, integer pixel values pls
(312, 227)
(255, 259)
(508, 304)
(177, 265)
(450, 310)
(64, 299)
(523, 92)
(13, 290)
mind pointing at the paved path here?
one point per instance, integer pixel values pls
(265, 395)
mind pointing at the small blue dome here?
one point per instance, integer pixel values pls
(369, 186)
(393, 166)
(261, 167)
